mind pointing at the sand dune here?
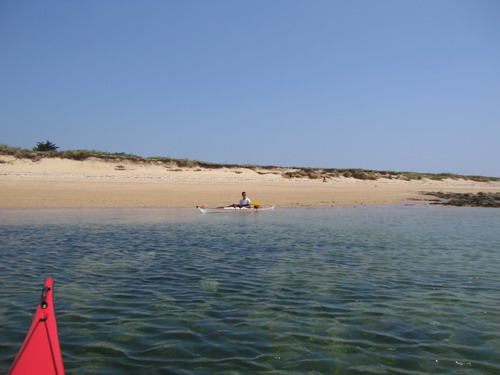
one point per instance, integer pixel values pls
(98, 183)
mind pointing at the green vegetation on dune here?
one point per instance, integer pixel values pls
(80, 155)
(287, 172)
(34, 155)
(366, 174)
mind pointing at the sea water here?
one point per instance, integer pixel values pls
(354, 290)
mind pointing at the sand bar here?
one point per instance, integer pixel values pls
(98, 183)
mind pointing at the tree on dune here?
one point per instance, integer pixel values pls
(45, 146)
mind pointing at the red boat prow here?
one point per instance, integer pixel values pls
(41, 353)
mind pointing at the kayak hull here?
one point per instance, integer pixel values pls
(41, 352)
(210, 210)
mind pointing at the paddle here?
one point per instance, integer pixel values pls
(254, 204)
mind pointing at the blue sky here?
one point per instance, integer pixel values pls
(375, 84)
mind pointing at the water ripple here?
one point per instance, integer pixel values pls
(331, 291)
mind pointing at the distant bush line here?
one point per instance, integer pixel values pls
(81, 155)
(365, 174)
(287, 172)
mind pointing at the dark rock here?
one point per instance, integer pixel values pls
(480, 199)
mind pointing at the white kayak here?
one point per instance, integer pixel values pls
(208, 210)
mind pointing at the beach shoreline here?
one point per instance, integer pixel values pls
(54, 182)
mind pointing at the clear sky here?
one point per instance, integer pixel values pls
(376, 84)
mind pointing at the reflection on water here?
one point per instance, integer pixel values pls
(343, 290)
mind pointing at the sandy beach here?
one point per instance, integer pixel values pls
(98, 183)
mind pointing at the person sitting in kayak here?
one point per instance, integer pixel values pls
(245, 202)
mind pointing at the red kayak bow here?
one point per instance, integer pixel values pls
(41, 353)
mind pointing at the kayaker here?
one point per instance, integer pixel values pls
(245, 202)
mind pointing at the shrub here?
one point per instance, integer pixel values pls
(47, 146)
(76, 154)
(314, 176)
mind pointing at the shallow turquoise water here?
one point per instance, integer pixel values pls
(367, 290)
